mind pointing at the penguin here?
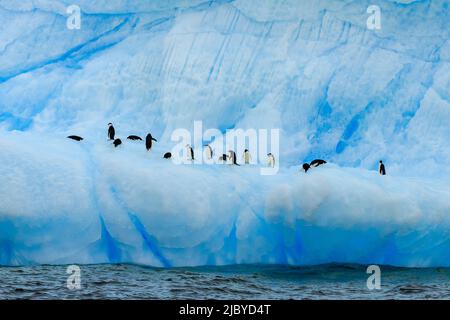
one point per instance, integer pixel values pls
(117, 142)
(190, 152)
(111, 131)
(209, 152)
(306, 167)
(223, 158)
(167, 155)
(134, 138)
(149, 141)
(76, 138)
(232, 157)
(317, 162)
(247, 157)
(270, 160)
(382, 168)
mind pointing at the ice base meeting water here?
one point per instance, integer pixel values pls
(227, 282)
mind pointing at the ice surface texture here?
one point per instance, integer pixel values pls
(336, 90)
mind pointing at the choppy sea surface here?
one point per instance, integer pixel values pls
(334, 281)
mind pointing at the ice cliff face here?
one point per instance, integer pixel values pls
(336, 89)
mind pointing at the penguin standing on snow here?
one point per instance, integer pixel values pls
(209, 152)
(111, 131)
(382, 169)
(190, 152)
(270, 160)
(232, 157)
(149, 141)
(247, 157)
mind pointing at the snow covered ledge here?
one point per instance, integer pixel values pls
(68, 202)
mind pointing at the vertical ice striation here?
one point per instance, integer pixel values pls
(336, 89)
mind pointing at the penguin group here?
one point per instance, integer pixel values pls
(116, 142)
(224, 158)
(149, 140)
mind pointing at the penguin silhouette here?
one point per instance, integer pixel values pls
(134, 138)
(167, 155)
(306, 167)
(76, 138)
(117, 142)
(317, 162)
(382, 169)
(149, 141)
(111, 131)
(223, 157)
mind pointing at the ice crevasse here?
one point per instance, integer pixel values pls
(335, 89)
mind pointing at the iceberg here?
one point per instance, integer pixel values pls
(335, 89)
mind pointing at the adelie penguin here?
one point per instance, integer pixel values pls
(167, 155)
(134, 138)
(76, 138)
(232, 157)
(117, 143)
(190, 152)
(111, 131)
(149, 141)
(382, 168)
(317, 162)
(209, 152)
(270, 160)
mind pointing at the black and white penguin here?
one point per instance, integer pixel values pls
(209, 152)
(111, 131)
(270, 160)
(76, 138)
(306, 167)
(232, 157)
(247, 157)
(317, 162)
(382, 168)
(223, 158)
(190, 152)
(134, 138)
(167, 155)
(149, 141)
(117, 142)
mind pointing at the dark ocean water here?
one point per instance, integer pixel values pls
(228, 282)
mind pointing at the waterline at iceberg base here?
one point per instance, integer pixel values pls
(89, 203)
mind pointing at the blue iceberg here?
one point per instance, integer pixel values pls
(334, 88)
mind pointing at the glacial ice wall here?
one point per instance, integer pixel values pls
(311, 68)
